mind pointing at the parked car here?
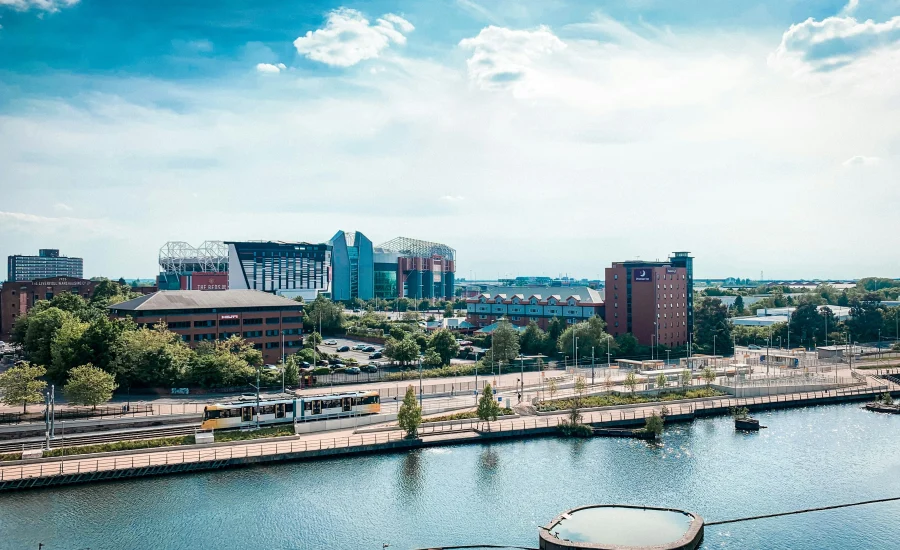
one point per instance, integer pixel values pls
(372, 368)
(343, 349)
(376, 355)
(360, 346)
(353, 370)
(247, 397)
(305, 364)
(753, 346)
(322, 363)
(334, 361)
(369, 349)
(330, 342)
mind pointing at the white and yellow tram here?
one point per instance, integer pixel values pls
(276, 411)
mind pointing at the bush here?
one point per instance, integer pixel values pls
(122, 446)
(236, 435)
(321, 370)
(465, 415)
(10, 456)
(608, 400)
(576, 430)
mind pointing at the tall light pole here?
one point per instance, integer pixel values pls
(592, 365)
(420, 384)
(714, 344)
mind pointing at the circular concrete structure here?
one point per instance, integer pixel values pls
(621, 527)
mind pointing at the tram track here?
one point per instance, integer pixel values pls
(78, 440)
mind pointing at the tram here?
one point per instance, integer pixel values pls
(278, 411)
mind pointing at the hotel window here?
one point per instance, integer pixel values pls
(616, 277)
(515, 317)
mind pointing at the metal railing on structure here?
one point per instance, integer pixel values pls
(78, 413)
(73, 465)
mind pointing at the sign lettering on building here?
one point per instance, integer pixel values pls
(230, 316)
(58, 282)
(642, 274)
(671, 270)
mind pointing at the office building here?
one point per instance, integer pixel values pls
(286, 269)
(352, 266)
(48, 263)
(185, 267)
(18, 297)
(521, 305)
(652, 300)
(264, 320)
(415, 269)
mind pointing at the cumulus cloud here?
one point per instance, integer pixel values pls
(834, 42)
(47, 225)
(860, 160)
(41, 5)
(268, 68)
(349, 38)
(62, 207)
(501, 57)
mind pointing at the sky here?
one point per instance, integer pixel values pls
(544, 137)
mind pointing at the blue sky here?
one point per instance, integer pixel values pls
(544, 137)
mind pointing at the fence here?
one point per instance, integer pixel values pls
(75, 413)
(74, 465)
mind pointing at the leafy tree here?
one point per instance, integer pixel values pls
(661, 380)
(67, 349)
(627, 344)
(488, 409)
(739, 306)
(432, 359)
(73, 303)
(89, 385)
(100, 337)
(533, 340)
(110, 292)
(424, 305)
(711, 326)
(866, 318)
(291, 373)
(403, 351)
(505, 342)
(223, 363)
(403, 304)
(591, 336)
(409, 416)
(552, 387)
(554, 329)
(654, 424)
(631, 381)
(20, 384)
(448, 310)
(314, 340)
(708, 375)
(152, 357)
(579, 389)
(685, 378)
(324, 311)
(444, 343)
(42, 328)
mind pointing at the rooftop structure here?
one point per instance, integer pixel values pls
(415, 248)
(48, 263)
(180, 257)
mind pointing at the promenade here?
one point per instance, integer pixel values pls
(125, 464)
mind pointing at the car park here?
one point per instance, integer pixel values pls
(330, 342)
(343, 349)
(375, 355)
(372, 368)
(353, 370)
(368, 349)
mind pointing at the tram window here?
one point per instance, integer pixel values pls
(307, 406)
(370, 399)
(267, 409)
(210, 415)
(289, 407)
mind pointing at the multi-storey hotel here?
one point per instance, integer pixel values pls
(48, 263)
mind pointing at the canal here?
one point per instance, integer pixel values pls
(499, 493)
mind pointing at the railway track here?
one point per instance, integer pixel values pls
(78, 440)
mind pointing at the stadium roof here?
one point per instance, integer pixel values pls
(418, 249)
(202, 299)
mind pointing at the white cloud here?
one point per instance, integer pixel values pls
(348, 38)
(850, 7)
(502, 58)
(834, 43)
(42, 5)
(62, 207)
(860, 160)
(268, 68)
(32, 224)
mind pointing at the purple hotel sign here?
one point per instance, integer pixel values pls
(642, 274)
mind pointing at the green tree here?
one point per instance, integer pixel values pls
(409, 416)
(661, 380)
(448, 310)
(631, 381)
(67, 349)
(627, 345)
(314, 340)
(89, 385)
(403, 351)
(866, 318)
(712, 329)
(291, 372)
(739, 306)
(110, 292)
(533, 340)
(591, 335)
(654, 424)
(554, 329)
(552, 387)
(708, 375)
(432, 359)
(73, 303)
(444, 343)
(42, 328)
(324, 311)
(488, 409)
(100, 337)
(424, 305)
(223, 363)
(505, 342)
(150, 356)
(685, 378)
(579, 388)
(20, 384)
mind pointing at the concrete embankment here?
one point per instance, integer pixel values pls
(50, 472)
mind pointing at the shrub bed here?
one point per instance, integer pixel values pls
(122, 446)
(468, 415)
(627, 399)
(276, 431)
(10, 456)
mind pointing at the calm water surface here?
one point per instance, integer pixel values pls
(500, 493)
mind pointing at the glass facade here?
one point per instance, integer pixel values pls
(385, 281)
(48, 264)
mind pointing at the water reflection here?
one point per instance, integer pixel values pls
(410, 475)
(488, 463)
(576, 449)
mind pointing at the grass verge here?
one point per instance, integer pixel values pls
(276, 431)
(468, 415)
(10, 456)
(626, 399)
(122, 446)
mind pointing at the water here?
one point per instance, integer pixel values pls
(626, 526)
(500, 493)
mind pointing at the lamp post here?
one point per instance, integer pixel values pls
(420, 384)
(592, 365)
(714, 344)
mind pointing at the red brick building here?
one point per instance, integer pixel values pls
(264, 319)
(651, 300)
(18, 297)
